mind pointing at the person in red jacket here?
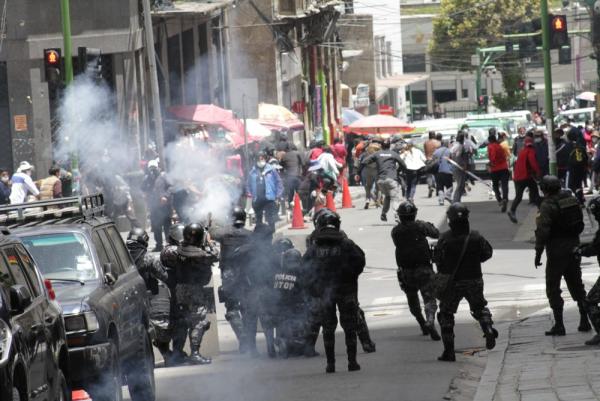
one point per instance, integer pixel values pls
(498, 169)
(525, 173)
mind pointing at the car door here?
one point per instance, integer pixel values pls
(138, 295)
(32, 326)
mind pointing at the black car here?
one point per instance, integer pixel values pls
(34, 359)
(104, 299)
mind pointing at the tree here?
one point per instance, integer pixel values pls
(464, 25)
(513, 97)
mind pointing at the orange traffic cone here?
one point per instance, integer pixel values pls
(330, 203)
(80, 395)
(346, 197)
(297, 217)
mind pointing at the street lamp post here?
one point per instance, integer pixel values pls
(548, 103)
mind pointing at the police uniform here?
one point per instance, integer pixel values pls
(313, 317)
(413, 257)
(558, 225)
(191, 267)
(336, 262)
(467, 282)
(230, 239)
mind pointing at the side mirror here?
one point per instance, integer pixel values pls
(20, 299)
(110, 274)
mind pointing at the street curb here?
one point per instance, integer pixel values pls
(486, 389)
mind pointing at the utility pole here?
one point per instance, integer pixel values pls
(478, 80)
(548, 102)
(68, 45)
(151, 56)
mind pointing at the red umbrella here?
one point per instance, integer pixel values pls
(380, 124)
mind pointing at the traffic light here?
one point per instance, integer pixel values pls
(564, 55)
(559, 34)
(522, 84)
(90, 61)
(531, 86)
(483, 101)
(52, 65)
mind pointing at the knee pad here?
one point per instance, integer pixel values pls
(232, 315)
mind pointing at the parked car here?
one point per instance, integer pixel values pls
(104, 299)
(34, 360)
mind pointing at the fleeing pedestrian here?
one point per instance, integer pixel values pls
(498, 170)
(414, 160)
(413, 257)
(293, 165)
(558, 226)
(429, 147)
(444, 175)
(519, 142)
(5, 186)
(265, 187)
(22, 184)
(525, 173)
(368, 176)
(51, 186)
(462, 154)
(459, 254)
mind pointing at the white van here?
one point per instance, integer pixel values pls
(579, 116)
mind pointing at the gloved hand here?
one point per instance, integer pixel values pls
(538, 257)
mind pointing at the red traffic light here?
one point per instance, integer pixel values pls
(52, 57)
(521, 84)
(559, 23)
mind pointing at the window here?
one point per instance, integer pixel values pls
(62, 256)
(29, 268)
(102, 255)
(110, 252)
(16, 268)
(6, 279)
(119, 246)
(413, 62)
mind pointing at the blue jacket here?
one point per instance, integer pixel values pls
(273, 184)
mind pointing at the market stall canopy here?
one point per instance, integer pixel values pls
(272, 115)
(349, 116)
(587, 96)
(380, 124)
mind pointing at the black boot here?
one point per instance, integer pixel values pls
(489, 332)
(584, 322)
(422, 323)
(329, 344)
(559, 327)
(594, 340)
(196, 358)
(431, 326)
(448, 355)
(351, 345)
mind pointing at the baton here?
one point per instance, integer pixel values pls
(470, 174)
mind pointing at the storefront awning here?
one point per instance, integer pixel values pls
(396, 81)
(189, 8)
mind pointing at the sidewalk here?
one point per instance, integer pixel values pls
(537, 367)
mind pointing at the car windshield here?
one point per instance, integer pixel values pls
(62, 256)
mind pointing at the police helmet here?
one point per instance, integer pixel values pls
(457, 212)
(138, 235)
(282, 244)
(594, 205)
(329, 220)
(291, 257)
(550, 184)
(193, 234)
(176, 234)
(318, 214)
(407, 209)
(239, 217)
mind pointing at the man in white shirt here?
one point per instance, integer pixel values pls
(23, 184)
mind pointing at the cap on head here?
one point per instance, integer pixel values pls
(550, 184)
(457, 212)
(138, 235)
(176, 234)
(239, 217)
(24, 166)
(193, 235)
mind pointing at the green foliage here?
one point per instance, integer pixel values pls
(513, 97)
(464, 25)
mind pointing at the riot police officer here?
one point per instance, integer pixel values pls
(156, 277)
(413, 257)
(558, 225)
(191, 264)
(459, 254)
(593, 296)
(230, 239)
(335, 262)
(313, 316)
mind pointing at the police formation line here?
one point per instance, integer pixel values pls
(294, 296)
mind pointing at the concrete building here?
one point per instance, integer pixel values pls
(26, 127)
(454, 92)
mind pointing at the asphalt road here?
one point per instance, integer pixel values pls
(405, 365)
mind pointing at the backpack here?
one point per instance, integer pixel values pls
(570, 222)
(578, 157)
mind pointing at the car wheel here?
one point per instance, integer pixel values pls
(110, 385)
(64, 393)
(140, 376)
